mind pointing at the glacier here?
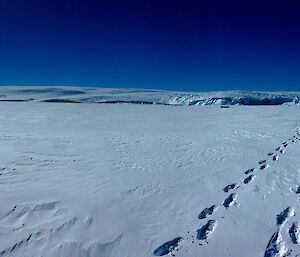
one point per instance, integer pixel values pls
(146, 96)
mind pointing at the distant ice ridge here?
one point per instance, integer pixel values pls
(145, 96)
(236, 98)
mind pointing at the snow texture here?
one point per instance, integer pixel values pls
(127, 180)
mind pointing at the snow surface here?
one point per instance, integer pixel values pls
(128, 180)
(146, 96)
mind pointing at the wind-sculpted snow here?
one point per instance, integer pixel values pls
(145, 96)
(47, 228)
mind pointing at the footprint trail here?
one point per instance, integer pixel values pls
(276, 246)
(207, 211)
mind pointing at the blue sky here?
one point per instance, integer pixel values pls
(176, 45)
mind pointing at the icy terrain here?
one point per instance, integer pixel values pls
(127, 180)
(145, 96)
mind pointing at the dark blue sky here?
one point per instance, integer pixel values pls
(178, 45)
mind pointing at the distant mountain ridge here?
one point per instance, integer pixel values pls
(67, 94)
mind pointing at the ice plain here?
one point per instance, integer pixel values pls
(148, 180)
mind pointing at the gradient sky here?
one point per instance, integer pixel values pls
(168, 44)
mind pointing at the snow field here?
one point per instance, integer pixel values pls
(145, 180)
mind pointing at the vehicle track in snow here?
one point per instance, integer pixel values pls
(276, 246)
